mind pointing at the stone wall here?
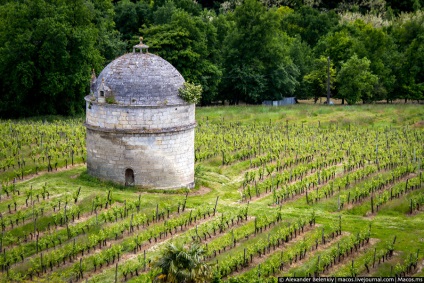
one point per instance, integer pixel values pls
(113, 116)
(163, 160)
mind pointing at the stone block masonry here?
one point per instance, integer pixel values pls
(154, 163)
(113, 116)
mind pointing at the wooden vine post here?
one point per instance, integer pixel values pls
(216, 203)
(116, 273)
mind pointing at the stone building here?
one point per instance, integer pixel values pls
(139, 131)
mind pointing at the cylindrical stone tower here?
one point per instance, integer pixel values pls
(139, 131)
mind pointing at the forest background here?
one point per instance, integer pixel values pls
(237, 50)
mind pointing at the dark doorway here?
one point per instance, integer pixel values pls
(129, 177)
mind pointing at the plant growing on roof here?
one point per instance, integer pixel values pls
(110, 99)
(190, 92)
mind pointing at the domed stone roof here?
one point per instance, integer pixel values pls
(139, 78)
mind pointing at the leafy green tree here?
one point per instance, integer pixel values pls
(377, 46)
(109, 41)
(318, 77)
(191, 7)
(413, 78)
(130, 16)
(366, 41)
(309, 23)
(355, 80)
(47, 51)
(407, 32)
(223, 25)
(163, 14)
(179, 264)
(303, 57)
(256, 60)
(336, 44)
(186, 43)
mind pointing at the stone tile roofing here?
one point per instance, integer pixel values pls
(142, 79)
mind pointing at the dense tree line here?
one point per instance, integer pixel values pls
(249, 50)
(47, 50)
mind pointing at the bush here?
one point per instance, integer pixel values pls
(190, 92)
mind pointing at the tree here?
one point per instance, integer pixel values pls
(191, 7)
(303, 58)
(256, 60)
(368, 41)
(318, 77)
(309, 23)
(187, 43)
(377, 46)
(355, 80)
(109, 41)
(336, 44)
(407, 32)
(413, 85)
(47, 51)
(179, 264)
(130, 16)
(163, 14)
(223, 25)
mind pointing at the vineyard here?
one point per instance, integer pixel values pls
(294, 191)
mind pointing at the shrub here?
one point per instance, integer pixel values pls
(190, 92)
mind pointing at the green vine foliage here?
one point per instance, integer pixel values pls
(190, 92)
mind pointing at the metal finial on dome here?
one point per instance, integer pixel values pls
(141, 46)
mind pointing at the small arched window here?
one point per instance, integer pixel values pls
(129, 177)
